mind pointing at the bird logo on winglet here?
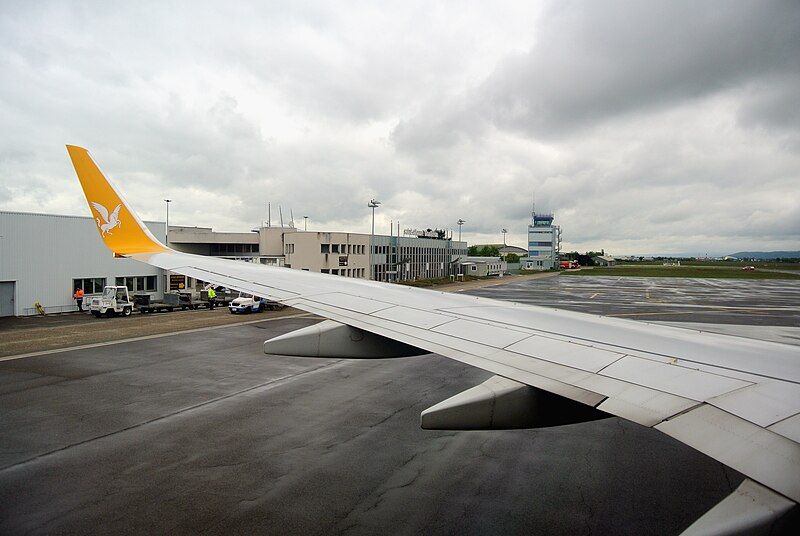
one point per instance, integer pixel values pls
(111, 221)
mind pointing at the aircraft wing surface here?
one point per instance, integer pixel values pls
(734, 399)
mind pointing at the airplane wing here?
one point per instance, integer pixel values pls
(734, 399)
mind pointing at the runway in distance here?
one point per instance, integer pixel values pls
(735, 399)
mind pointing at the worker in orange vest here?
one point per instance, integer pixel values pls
(79, 298)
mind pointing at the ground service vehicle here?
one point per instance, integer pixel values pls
(146, 304)
(247, 304)
(192, 300)
(114, 301)
(566, 265)
(273, 305)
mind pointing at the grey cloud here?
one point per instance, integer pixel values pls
(604, 59)
(594, 61)
(774, 104)
(642, 125)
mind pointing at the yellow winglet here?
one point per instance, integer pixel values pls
(119, 227)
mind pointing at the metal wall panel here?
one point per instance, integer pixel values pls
(43, 253)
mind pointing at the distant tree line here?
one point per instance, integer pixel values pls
(483, 251)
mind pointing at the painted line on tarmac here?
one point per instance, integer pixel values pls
(655, 313)
(269, 384)
(147, 337)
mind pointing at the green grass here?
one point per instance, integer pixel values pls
(772, 265)
(717, 272)
(437, 281)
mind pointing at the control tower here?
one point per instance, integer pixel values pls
(544, 242)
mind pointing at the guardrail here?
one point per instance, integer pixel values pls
(54, 309)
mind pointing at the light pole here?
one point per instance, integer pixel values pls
(305, 223)
(166, 231)
(373, 205)
(504, 236)
(460, 222)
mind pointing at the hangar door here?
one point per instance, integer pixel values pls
(6, 298)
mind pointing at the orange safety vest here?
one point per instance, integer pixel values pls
(78, 294)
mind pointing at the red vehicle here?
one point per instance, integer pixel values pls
(566, 265)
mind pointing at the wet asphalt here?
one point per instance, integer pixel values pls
(202, 432)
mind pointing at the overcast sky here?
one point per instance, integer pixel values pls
(645, 126)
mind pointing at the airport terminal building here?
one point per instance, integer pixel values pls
(44, 257)
(417, 255)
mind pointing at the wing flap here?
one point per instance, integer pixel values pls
(491, 335)
(763, 404)
(762, 455)
(574, 355)
(789, 428)
(682, 381)
(413, 317)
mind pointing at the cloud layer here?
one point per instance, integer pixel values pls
(646, 127)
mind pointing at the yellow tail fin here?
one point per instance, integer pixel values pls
(119, 227)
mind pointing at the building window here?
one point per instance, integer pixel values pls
(147, 283)
(325, 271)
(90, 285)
(325, 248)
(334, 248)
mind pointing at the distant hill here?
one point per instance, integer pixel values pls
(765, 255)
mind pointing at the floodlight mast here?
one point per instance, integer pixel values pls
(166, 227)
(373, 204)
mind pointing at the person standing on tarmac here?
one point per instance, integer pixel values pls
(78, 297)
(212, 298)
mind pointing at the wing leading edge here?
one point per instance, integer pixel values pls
(734, 399)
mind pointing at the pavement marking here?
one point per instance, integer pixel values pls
(655, 313)
(147, 337)
(267, 385)
(593, 295)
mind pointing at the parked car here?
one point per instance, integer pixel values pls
(749, 268)
(247, 304)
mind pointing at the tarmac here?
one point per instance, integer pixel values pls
(767, 302)
(201, 432)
